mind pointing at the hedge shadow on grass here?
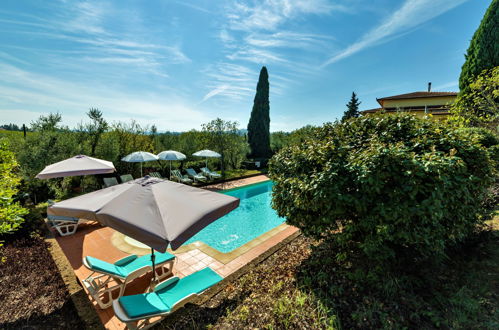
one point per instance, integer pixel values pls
(461, 292)
(193, 316)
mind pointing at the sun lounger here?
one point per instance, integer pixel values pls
(65, 226)
(126, 177)
(137, 310)
(156, 175)
(114, 277)
(213, 175)
(108, 182)
(177, 176)
(197, 177)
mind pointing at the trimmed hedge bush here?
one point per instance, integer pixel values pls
(391, 186)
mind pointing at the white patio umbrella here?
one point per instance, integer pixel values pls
(76, 166)
(171, 155)
(139, 157)
(156, 212)
(207, 154)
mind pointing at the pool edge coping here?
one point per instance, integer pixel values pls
(118, 240)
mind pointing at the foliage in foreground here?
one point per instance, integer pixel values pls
(391, 189)
(11, 212)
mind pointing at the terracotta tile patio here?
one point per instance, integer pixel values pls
(106, 244)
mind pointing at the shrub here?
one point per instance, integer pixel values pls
(11, 211)
(479, 105)
(392, 187)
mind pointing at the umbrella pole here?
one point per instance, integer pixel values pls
(153, 259)
(170, 169)
(141, 170)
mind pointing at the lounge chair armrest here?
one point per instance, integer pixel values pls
(166, 283)
(125, 260)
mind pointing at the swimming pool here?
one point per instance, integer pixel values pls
(252, 218)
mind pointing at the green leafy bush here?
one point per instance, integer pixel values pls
(390, 187)
(479, 104)
(11, 212)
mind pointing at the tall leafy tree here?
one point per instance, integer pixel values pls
(223, 136)
(483, 52)
(95, 128)
(352, 108)
(259, 123)
(51, 122)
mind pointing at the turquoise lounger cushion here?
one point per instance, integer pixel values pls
(146, 261)
(194, 283)
(162, 301)
(105, 267)
(139, 305)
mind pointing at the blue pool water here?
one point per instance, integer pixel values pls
(252, 218)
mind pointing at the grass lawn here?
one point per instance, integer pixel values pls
(232, 174)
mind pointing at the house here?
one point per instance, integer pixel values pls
(420, 103)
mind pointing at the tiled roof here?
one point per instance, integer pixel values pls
(416, 95)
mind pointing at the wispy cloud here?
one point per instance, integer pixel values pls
(84, 27)
(269, 14)
(230, 80)
(412, 14)
(253, 33)
(217, 90)
(254, 55)
(193, 6)
(87, 17)
(33, 94)
(287, 39)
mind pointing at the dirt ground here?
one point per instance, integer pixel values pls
(32, 292)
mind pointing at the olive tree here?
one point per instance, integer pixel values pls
(223, 137)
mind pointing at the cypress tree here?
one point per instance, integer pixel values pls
(352, 108)
(483, 52)
(259, 123)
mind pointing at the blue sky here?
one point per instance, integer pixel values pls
(178, 64)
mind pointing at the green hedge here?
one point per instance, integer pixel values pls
(391, 186)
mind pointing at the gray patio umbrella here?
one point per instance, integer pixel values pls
(207, 154)
(156, 212)
(76, 166)
(139, 157)
(171, 155)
